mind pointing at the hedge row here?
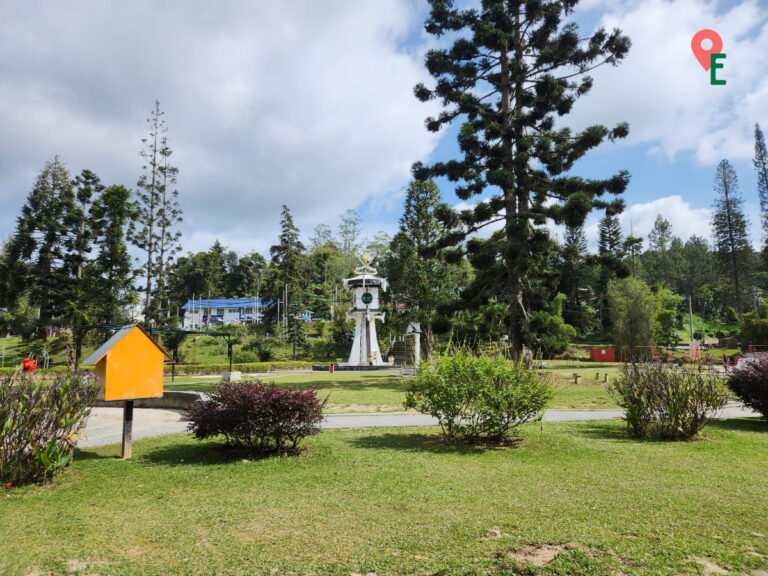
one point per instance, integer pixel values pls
(186, 369)
(196, 369)
(7, 372)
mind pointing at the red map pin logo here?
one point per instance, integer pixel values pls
(703, 55)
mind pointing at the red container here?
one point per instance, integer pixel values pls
(602, 355)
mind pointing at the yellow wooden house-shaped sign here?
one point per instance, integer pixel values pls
(129, 365)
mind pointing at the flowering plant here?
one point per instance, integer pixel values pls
(28, 365)
(40, 421)
(668, 402)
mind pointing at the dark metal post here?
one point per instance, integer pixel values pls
(175, 359)
(78, 345)
(127, 428)
(229, 352)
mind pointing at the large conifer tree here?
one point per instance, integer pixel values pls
(512, 70)
(761, 166)
(421, 283)
(109, 277)
(731, 236)
(289, 278)
(37, 252)
(158, 212)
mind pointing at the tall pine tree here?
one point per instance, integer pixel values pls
(513, 68)
(87, 186)
(575, 280)
(761, 166)
(109, 277)
(289, 278)
(422, 283)
(731, 235)
(37, 253)
(158, 212)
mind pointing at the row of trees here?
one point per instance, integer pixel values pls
(509, 75)
(68, 260)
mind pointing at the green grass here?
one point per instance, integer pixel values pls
(399, 501)
(10, 352)
(346, 392)
(385, 392)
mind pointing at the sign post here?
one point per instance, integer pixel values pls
(127, 429)
(129, 366)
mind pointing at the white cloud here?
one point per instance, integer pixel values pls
(662, 91)
(686, 220)
(306, 103)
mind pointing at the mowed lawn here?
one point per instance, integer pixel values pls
(577, 498)
(385, 392)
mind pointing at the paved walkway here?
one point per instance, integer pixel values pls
(105, 424)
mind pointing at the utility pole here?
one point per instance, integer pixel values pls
(690, 313)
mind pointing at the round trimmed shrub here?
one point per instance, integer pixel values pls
(478, 397)
(749, 381)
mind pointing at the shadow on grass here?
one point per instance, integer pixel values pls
(192, 453)
(89, 455)
(423, 442)
(619, 432)
(184, 453)
(746, 424)
(614, 430)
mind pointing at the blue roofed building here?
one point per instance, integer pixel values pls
(207, 312)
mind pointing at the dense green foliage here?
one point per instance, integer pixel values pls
(478, 397)
(668, 402)
(39, 423)
(39, 256)
(512, 70)
(426, 285)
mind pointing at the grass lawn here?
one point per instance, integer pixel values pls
(398, 501)
(347, 392)
(384, 392)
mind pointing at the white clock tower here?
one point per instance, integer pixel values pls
(365, 310)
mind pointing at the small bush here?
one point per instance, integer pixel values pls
(668, 402)
(245, 356)
(478, 398)
(39, 423)
(262, 419)
(749, 381)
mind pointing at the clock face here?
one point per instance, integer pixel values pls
(366, 298)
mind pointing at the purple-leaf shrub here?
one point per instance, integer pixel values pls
(264, 419)
(749, 381)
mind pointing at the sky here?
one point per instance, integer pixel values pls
(310, 104)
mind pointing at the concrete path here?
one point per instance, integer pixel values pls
(105, 424)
